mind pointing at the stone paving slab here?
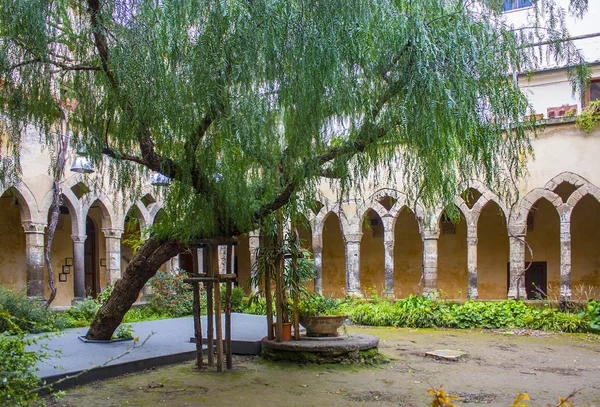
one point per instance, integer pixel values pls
(169, 343)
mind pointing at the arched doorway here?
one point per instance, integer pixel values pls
(372, 267)
(492, 253)
(407, 254)
(92, 283)
(334, 258)
(585, 256)
(452, 260)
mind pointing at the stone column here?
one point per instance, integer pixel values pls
(79, 266)
(472, 292)
(317, 245)
(352, 242)
(388, 257)
(222, 259)
(516, 241)
(430, 261)
(253, 244)
(113, 254)
(34, 257)
(565, 254)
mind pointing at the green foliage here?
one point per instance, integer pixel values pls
(82, 312)
(592, 313)
(237, 298)
(423, 312)
(105, 294)
(18, 380)
(246, 96)
(28, 313)
(171, 295)
(319, 305)
(124, 331)
(589, 116)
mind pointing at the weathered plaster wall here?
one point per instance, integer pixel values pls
(452, 262)
(585, 254)
(13, 270)
(544, 241)
(492, 253)
(334, 262)
(372, 268)
(62, 247)
(407, 255)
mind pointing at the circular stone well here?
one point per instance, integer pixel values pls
(340, 349)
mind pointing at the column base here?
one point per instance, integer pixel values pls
(355, 294)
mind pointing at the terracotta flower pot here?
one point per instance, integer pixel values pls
(286, 330)
(322, 325)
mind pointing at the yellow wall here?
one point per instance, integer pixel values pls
(13, 265)
(492, 253)
(452, 262)
(544, 241)
(334, 262)
(62, 247)
(585, 254)
(372, 267)
(407, 255)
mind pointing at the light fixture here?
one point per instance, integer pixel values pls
(160, 180)
(82, 163)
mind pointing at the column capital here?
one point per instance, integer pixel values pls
(78, 238)
(33, 227)
(353, 237)
(517, 230)
(430, 234)
(112, 232)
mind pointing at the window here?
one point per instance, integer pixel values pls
(516, 4)
(593, 91)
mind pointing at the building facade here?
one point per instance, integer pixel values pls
(544, 242)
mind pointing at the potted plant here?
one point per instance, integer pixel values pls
(321, 316)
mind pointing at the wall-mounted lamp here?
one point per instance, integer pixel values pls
(160, 180)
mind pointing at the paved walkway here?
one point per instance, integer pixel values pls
(169, 343)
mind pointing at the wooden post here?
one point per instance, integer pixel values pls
(197, 320)
(267, 245)
(296, 299)
(228, 360)
(214, 248)
(278, 278)
(197, 325)
(209, 260)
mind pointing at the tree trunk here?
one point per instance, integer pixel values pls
(144, 265)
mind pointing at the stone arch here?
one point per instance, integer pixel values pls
(530, 199)
(566, 176)
(27, 203)
(109, 216)
(69, 200)
(372, 255)
(589, 189)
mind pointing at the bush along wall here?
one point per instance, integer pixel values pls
(423, 312)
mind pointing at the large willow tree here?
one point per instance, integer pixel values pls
(246, 103)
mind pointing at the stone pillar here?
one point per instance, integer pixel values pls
(388, 258)
(430, 261)
(222, 259)
(317, 245)
(472, 292)
(516, 241)
(79, 266)
(34, 253)
(565, 257)
(352, 242)
(253, 244)
(113, 254)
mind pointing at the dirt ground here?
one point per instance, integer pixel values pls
(498, 366)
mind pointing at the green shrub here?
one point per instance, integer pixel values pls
(592, 314)
(105, 294)
(18, 380)
(28, 313)
(83, 311)
(319, 305)
(124, 331)
(171, 296)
